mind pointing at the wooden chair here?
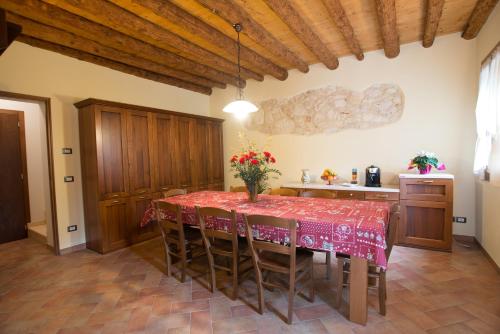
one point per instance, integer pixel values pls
(238, 189)
(180, 242)
(273, 258)
(284, 192)
(174, 192)
(375, 273)
(223, 244)
(319, 193)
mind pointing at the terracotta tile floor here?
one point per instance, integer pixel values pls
(127, 292)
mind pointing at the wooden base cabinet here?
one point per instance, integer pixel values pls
(426, 212)
(130, 155)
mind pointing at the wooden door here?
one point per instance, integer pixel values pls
(112, 159)
(215, 156)
(139, 140)
(138, 206)
(426, 224)
(114, 215)
(164, 151)
(185, 147)
(14, 202)
(201, 154)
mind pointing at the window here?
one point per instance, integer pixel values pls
(488, 116)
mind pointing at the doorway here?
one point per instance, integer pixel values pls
(28, 210)
(14, 196)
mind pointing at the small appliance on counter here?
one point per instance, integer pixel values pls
(372, 176)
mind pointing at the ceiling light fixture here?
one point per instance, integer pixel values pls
(240, 107)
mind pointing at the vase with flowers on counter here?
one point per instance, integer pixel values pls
(329, 176)
(254, 167)
(424, 161)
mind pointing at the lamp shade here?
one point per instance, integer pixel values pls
(240, 107)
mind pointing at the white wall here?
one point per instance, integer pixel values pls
(439, 87)
(36, 160)
(488, 194)
(28, 70)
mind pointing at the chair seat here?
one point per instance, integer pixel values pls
(281, 262)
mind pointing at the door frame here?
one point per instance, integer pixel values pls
(24, 163)
(50, 156)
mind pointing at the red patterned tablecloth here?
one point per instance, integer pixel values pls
(351, 227)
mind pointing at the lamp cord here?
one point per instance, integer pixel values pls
(239, 68)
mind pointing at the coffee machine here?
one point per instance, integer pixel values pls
(372, 176)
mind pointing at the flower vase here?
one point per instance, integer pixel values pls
(252, 189)
(425, 170)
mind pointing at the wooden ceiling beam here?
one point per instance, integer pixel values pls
(293, 19)
(166, 14)
(478, 18)
(117, 18)
(90, 58)
(8, 32)
(434, 12)
(58, 18)
(386, 13)
(232, 12)
(57, 36)
(339, 17)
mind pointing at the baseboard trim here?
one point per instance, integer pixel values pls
(73, 249)
(490, 259)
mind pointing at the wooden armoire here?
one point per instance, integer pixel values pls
(130, 155)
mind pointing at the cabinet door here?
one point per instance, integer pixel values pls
(111, 152)
(184, 156)
(216, 154)
(164, 151)
(426, 224)
(139, 134)
(114, 217)
(138, 206)
(201, 154)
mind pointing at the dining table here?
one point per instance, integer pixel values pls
(352, 227)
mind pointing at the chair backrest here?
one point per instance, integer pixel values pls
(284, 192)
(392, 229)
(318, 193)
(237, 189)
(174, 192)
(164, 211)
(211, 233)
(257, 246)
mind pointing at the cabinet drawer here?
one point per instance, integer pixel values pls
(437, 190)
(342, 194)
(381, 196)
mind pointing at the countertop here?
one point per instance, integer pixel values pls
(427, 176)
(338, 186)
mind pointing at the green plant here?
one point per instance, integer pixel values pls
(425, 161)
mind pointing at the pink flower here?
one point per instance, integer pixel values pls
(441, 167)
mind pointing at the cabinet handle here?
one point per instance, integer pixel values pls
(164, 188)
(381, 195)
(115, 195)
(142, 197)
(351, 194)
(115, 202)
(427, 181)
(141, 192)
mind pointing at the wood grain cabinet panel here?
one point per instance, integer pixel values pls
(114, 223)
(139, 142)
(112, 152)
(165, 153)
(138, 206)
(426, 213)
(351, 194)
(129, 155)
(185, 151)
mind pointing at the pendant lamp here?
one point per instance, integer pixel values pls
(240, 107)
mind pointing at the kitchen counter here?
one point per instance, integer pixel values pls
(427, 176)
(339, 186)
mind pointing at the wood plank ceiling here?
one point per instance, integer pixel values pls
(191, 43)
